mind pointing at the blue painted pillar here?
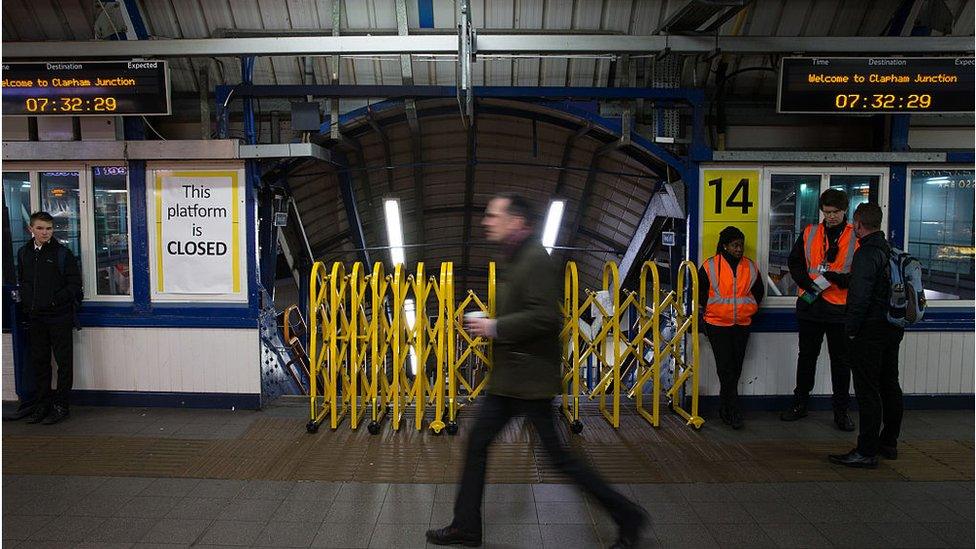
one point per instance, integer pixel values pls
(897, 188)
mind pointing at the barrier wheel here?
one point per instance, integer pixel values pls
(373, 428)
(312, 427)
(452, 428)
(576, 427)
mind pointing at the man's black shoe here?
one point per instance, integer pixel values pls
(855, 459)
(39, 413)
(19, 413)
(888, 452)
(795, 412)
(450, 535)
(631, 529)
(735, 419)
(843, 421)
(58, 414)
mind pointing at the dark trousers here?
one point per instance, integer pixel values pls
(493, 413)
(811, 338)
(874, 364)
(729, 347)
(45, 338)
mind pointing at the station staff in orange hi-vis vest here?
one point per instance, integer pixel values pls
(820, 264)
(729, 291)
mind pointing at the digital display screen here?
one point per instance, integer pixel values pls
(867, 85)
(86, 88)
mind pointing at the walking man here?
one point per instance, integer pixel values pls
(874, 345)
(50, 283)
(525, 375)
(820, 264)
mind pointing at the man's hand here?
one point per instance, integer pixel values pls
(481, 327)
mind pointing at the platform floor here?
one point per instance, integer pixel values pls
(142, 477)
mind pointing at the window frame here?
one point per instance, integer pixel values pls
(933, 303)
(766, 171)
(87, 214)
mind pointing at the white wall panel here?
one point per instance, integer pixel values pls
(9, 389)
(166, 360)
(929, 363)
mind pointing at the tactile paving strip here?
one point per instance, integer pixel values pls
(278, 448)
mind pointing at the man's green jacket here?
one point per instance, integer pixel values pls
(527, 362)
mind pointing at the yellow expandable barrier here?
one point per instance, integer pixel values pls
(381, 343)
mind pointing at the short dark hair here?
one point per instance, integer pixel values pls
(519, 206)
(41, 216)
(836, 198)
(869, 214)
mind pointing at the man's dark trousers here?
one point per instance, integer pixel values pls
(811, 339)
(45, 338)
(493, 413)
(879, 399)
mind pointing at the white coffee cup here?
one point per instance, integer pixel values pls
(475, 314)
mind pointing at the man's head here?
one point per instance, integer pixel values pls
(41, 227)
(509, 218)
(833, 205)
(867, 219)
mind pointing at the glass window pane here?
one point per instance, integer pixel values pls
(859, 187)
(793, 203)
(16, 218)
(60, 197)
(111, 207)
(940, 231)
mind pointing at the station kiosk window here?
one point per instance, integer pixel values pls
(90, 206)
(940, 231)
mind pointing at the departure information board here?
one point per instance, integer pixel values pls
(866, 85)
(86, 88)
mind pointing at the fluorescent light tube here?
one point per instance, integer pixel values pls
(394, 230)
(553, 219)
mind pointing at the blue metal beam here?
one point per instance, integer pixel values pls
(347, 188)
(425, 9)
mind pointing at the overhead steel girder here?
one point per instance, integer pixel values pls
(487, 44)
(584, 201)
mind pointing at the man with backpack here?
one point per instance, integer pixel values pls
(50, 288)
(874, 344)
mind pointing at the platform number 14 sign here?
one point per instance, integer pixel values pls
(729, 197)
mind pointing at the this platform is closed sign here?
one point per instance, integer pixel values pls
(729, 197)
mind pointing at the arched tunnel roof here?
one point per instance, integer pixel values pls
(519, 146)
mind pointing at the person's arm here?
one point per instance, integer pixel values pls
(841, 280)
(864, 275)
(540, 315)
(759, 286)
(71, 282)
(798, 266)
(703, 284)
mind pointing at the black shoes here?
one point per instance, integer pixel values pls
(58, 414)
(843, 421)
(855, 459)
(735, 419)
(449, 535)
(797, 411)
(40, 412)
(888, 452)
(19, 413)
(631, 529)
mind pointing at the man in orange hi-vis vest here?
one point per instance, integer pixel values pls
(820, 264)
(729, 291)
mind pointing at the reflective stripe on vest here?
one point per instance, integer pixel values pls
(738, 300)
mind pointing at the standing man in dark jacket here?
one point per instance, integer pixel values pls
(820, 263)
(874, 345)
(525, 375)
(50, 284)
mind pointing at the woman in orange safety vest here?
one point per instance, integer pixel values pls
(730, 289)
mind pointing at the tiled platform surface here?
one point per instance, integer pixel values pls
(125, 477)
